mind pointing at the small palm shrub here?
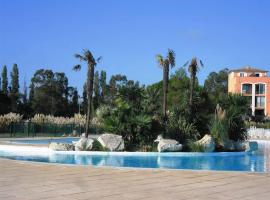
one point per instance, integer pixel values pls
(179, 128)
(134, 127)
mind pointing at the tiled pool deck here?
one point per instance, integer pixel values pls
(28, 181)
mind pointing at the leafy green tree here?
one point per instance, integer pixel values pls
(5, 103)
(96, 98)
(48, 93)
(166, 63)
(103, 85)
(115, 83)
(74, 104)
(4, 80)
(216, 85)
(88, 57)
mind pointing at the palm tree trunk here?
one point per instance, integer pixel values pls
(191, 95)
(165, 90)
(90, 77)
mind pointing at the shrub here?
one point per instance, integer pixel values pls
(179, 128)
(97, 146)
(195, 147)
(10, 118)
(236, 107)
(218, 127)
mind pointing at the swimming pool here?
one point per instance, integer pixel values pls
(67, 140)
(239, 161)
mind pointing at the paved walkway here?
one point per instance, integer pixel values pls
(26, 180)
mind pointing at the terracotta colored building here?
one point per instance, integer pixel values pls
(253, 83)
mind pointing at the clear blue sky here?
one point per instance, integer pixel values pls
(129, 33)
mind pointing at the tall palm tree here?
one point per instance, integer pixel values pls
(88, 57)
(166, 63)
(193, 68)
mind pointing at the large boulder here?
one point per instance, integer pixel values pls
(207, 142)
(61, 146)
(168, 145)
(84, 144)
(111, 142)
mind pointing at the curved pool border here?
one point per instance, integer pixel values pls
(43, 149)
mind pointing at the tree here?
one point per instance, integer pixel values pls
(115, 83)
(4, 80)
(193, 68)
(48, 94)
(96, 99)
(216, 85)
(74, 100)
(88, 57)
(165, 64)
(14, 93)
(84, 103)
(103, 85)
(25, 93)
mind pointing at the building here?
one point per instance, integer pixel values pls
(253, 83)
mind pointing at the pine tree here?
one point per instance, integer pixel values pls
(25, 93)
(4, 80)
(15, 79)
(14, 91)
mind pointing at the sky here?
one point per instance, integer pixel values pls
(128, 34)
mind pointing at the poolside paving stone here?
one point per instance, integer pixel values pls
(37, 181)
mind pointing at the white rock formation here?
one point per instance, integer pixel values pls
(112, 142)
(207, 142)
(84, 144)
(61, 146)
(168, 145)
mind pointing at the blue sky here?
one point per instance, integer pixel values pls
(129, 33)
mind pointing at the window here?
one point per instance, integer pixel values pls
(257, 75)
(242, 74)
(260, 102)
(246, 88)
(260, 88)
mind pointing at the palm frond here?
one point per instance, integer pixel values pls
(171, 57)
(99, 59)
(82, 58)
(77, 67)
(160, 60)
(186, 64)
(201, 63)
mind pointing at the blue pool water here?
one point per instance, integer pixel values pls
(240, 161)
(67, 140)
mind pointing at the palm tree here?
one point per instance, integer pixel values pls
(193, 68)
(165, 64)
(88, 57)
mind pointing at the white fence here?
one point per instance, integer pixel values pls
(258, 133)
